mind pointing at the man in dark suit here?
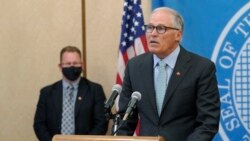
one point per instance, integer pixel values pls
(73, 105)
(188, 108)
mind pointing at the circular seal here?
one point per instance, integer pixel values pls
(232, 58)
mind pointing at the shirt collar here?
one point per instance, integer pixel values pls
(75, 84)
(170, 59)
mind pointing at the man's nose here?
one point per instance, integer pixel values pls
(154, 32)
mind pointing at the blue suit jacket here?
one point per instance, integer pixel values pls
(191, 105)
(89, 110)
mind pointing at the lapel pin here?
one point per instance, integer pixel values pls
(178, 73)
(79, 98)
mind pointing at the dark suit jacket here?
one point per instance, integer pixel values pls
(191, 106)
(89, 110)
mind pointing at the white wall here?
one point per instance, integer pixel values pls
(32, 32)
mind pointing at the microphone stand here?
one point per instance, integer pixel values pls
(116, 119)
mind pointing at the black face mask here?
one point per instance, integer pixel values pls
(72, 73)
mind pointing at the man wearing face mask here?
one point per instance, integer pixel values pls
(73, 105)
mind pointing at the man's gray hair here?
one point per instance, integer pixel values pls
(178, 20)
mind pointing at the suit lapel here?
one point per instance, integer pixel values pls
(181, 67)
(148, 76)
(57, 99)
(82, 90)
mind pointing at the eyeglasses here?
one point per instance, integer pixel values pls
(159, 28)
(75, 64)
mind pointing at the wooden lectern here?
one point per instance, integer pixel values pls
(105, 138)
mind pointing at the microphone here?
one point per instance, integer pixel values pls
(136, 96)
(116, 90)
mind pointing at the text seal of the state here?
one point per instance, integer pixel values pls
(232, 58)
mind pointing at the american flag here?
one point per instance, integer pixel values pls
(133, 40)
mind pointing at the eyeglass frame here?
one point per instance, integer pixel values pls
(166, 28)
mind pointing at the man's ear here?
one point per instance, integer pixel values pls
(83, 67)
(60, 67)
(179, 35)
